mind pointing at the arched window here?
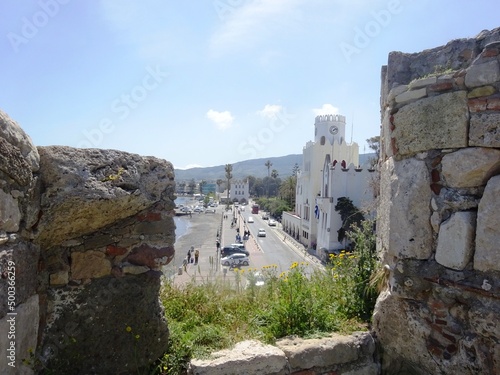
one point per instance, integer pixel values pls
(322, 141)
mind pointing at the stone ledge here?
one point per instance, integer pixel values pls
(335, 354)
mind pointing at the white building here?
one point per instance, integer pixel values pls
(328, 173)
(240, 190)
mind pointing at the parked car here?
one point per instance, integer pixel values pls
(228, 250)
(271, 223)
(265, 216)
(261, 233)
(250, 219)
(240, 246)
(235, 260)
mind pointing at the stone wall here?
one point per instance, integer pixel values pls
(439, 221)
(86, 232)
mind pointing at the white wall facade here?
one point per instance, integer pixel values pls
(327, 173)
(240, 190)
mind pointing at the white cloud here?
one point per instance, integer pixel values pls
(244, 25)
(222, 120)
(270, 111)
(326, 109)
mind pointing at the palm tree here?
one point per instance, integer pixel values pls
(228, 168)
(268, 164)
(202, 184)
(274, 173)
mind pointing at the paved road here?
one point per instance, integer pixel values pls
(269, 250)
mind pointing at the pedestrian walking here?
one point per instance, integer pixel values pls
(196, 256)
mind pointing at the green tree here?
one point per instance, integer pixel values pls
(374, 144)
(287, 190)
(274, 173)
(349, 214)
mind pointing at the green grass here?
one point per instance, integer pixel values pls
(210, 316)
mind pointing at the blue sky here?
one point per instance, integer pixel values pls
(210, 82)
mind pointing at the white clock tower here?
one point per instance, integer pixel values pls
(329, 128)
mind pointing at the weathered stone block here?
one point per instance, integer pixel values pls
(411, 95)
(135, 270)
(89, 264)
(398, 90)
(59, 278)
(327, 352)
(456, 240)
(24, 256)
(432, 123)
(20, 155)
(481, 91)
(25, 324)
(422, 82)
(404, 209)
(119, 327)
(487, 256)
(10, 214)
(485, 129)
(80, 197)
(247, 357)
(482, 74)
(470, 167)
(150, 256)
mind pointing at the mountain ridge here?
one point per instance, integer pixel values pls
(253, 167)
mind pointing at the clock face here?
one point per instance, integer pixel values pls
(334, 130)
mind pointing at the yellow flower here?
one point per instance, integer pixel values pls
(128, 329)
(137, 337)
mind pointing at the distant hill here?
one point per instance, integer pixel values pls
(254, 167)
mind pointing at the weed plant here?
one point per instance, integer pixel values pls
(210, 316)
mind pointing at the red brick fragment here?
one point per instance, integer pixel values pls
(477, 105)
(441, 86)
(113, 250)
(436, 188)
(493, 104)
(435, 176)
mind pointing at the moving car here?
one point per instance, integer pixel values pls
(228, 250)
(262, 233)
(235, 260)
(250, 219)
(271, 223)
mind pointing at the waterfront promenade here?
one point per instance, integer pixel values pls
(202, 235)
